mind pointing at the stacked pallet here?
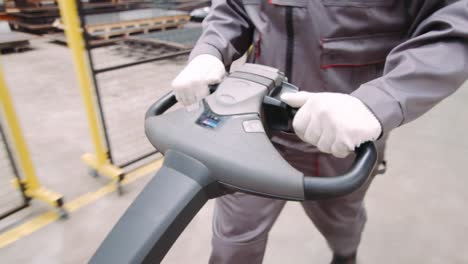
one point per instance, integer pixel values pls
(126, 23)
(38, 16)
(14, 41)
(184, 38)
(183, 5)
(105, 29)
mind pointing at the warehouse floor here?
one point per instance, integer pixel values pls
(417, 210)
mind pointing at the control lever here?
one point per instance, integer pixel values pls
(278, 114)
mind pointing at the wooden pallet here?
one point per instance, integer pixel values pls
(178, 38)
(40, 19)
(110, 4)
(155, 43)
(32, 27)
(191, 5)
(61, 39)
(17, 46)
(127, 28)
(13, 41)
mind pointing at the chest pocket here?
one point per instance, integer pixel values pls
(348, 62)
(345, 18)
(358, 3)
(358, 50)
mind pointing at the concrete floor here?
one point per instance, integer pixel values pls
(417, 210)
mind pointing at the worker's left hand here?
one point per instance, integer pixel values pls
(335, 123)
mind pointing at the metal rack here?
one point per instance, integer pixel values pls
(12, 200)
(103, 161)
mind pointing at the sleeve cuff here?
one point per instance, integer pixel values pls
(204, 48)
(383, 105)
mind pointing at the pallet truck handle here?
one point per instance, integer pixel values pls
(316, 188)
(161, 105)
(166, 102)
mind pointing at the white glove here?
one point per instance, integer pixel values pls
(335, 123)
(191, 85)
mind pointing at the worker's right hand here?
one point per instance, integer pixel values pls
(191, 85)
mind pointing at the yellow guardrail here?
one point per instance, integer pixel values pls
(29, 181)
(98, 161)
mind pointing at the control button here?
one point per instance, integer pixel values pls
(208, 120)
(253, 126)
(227, 99)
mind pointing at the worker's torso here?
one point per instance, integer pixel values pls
(327, 45)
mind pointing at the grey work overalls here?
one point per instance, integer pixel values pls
(398, 57)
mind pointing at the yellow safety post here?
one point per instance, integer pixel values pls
(98, 161)
(29, 182)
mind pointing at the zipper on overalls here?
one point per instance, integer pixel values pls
(290, 42)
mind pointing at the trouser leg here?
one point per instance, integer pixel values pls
(241, 224)
(340, 220)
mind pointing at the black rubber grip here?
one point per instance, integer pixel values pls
(168, 101)
(291, 111)
(317, 188)
(162, 105)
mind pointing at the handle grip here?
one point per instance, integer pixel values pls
(161, 105)
(168, 101)
(316, 188)
(291, 111)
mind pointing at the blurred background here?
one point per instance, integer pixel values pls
(73, 154)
